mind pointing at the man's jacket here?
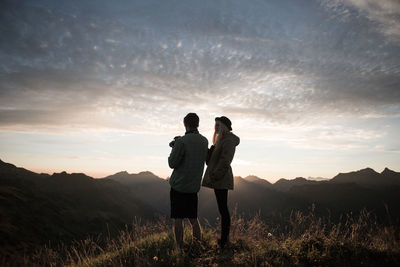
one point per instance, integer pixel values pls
(187, 158)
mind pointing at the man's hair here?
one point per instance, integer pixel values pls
(191, 120)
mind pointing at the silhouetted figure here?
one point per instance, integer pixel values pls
(187, 158)
(219, 174)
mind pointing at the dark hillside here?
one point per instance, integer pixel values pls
(150, 188)
(37, 209)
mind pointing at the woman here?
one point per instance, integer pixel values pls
(219, 174)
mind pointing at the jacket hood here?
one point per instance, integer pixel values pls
(234, 138)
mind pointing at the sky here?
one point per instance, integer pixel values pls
(312, 87)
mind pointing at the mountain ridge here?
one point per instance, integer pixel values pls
(62, 206)
(342, 177)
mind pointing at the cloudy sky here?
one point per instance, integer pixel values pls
(312, 87)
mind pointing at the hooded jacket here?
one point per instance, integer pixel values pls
(219, 174)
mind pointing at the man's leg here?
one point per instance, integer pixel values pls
(179, 232)
(196, 229)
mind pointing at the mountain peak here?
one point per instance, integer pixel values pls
(122, 173)
(5, 164)
(253, 178)
(8, 168)
(74, 174)
(387, 171)
(125, 173)
(367, 170)
(368, 177)
(141, 177)
(147, 173)
(256, 180)
(363, 172)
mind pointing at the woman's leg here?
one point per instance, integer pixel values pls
(222, 200)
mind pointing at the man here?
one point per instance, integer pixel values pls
(187, 158)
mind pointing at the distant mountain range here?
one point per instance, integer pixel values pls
(366, 177)
(38, 208)
(253, 194)
(146, 186)
(369, 177)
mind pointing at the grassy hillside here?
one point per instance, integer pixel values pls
(39, 209)
(304, 241)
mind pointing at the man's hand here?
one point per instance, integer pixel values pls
(172, 143)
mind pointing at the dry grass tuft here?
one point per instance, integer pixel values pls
(304, 240)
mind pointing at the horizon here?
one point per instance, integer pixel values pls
(165, 178)
(311, 87)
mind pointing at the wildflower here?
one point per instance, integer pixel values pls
(269, 235)
(155, 258)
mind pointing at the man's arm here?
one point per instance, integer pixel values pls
(176, 156)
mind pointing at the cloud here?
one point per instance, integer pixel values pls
(126, 64)
(384, 14)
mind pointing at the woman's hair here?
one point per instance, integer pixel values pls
(223, 129)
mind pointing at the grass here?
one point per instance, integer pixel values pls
(304, 240)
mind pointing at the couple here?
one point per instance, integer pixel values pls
(187, 158)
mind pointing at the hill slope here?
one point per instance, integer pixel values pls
(150, 188)
(306, 241)
(36, 209)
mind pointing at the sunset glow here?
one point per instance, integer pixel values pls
(312, 87)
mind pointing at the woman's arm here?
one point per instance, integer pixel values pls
(209, 153)
(224, 162)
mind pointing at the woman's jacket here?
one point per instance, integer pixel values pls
(219, 174)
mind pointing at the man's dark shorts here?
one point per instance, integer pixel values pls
(183, 205)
